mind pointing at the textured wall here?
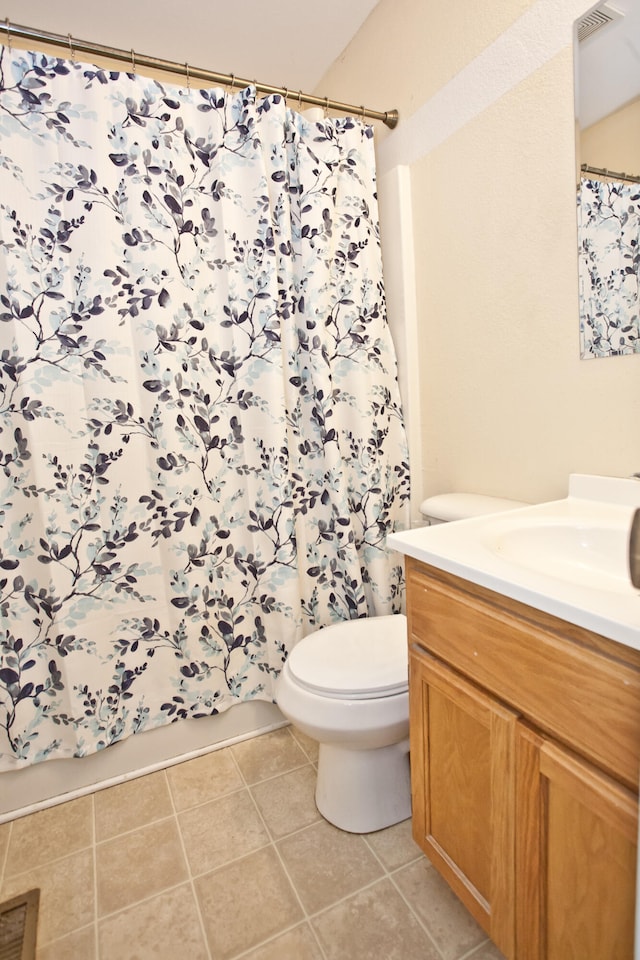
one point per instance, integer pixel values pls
(507, 406)
(614, 143)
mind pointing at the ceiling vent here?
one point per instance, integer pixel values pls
(603, 14)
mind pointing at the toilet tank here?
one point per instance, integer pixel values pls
(461, 506)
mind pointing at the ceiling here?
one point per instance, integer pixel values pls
(608, 74)
(288, 43)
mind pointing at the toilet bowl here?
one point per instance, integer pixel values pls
(346, 686)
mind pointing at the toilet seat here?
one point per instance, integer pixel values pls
(354, 660)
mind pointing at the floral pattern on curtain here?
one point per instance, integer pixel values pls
(201, 437)
(609, 268)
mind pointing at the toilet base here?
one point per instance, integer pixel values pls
(364, 790)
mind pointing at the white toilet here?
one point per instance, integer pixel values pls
(346, 686)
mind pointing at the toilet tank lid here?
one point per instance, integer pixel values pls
(461, 506)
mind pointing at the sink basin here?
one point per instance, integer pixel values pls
(568, 557)
(594, 555)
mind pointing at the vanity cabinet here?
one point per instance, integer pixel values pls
(462, 780)
(525, 751)
(576, 835)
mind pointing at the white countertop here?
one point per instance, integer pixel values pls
(567, 557)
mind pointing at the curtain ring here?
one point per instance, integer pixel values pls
(72, 52)
(326, 108)
(133, 60)
(233, 77)
(186, 67)
(362, 108)
(6, 23)
(299, 99)
(286, 94)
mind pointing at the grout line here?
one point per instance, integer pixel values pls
(70, 933)
(145, 899)
(476, 950)
(307, 760)
(307, 918)
(237, 766)
(465, 956)
(229, 863)
(138, 829)
(347, 896)
(263, 943)
(300, 743)
(204, 803)
(272, 843)
(390, 872)
(47, 863)
(191, 879)
(274, 776)
(413, 912)
(283, 865)
(44, 866)
(94, 860)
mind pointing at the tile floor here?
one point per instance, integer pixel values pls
(225, 856)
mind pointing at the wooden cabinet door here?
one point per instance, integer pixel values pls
(463, 773)
(576, 839)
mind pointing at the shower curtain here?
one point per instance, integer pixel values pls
(201, 438)
(609, 268)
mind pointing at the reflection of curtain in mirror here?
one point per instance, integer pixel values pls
(609, 268)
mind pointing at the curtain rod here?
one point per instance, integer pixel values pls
(388, 117)
(609, 173)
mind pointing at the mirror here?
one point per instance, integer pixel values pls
(607, 85)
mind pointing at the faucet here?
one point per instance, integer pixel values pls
(634, 549)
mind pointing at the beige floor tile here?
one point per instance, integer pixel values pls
(246, 898)
(137, 865)
(395, 845)
(203, 778)
(50, 834)
(287, 803)
(374, 924)
(326, 864)
(163, 928)
(310, 747)
(450, 924)
(66, 894)
(296, 944)
(268, 755)
(220, 831)
(245, 903)
(79, 945)
(133, 804)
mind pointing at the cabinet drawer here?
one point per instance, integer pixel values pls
(578, 686)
